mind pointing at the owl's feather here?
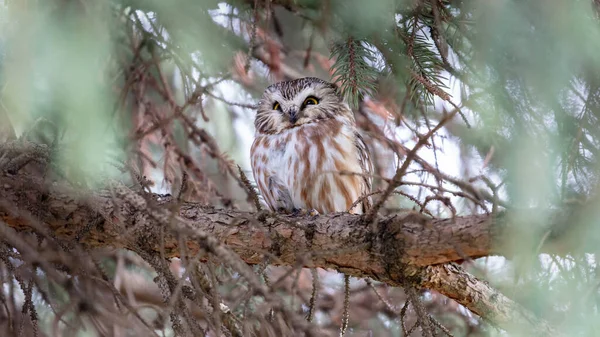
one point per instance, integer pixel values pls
(280, 192)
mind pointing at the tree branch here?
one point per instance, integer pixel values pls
(408, 247)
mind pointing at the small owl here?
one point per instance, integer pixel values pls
(307, 153)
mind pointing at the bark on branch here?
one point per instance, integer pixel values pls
(407, 249)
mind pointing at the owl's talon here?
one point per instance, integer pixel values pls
(313, 212)
(304, 212)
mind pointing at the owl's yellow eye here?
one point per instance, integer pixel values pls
(310, 100)
(276, 106)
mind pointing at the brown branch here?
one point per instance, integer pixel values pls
(408, 248)
(452, 281)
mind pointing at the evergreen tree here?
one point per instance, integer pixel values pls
(127, 207)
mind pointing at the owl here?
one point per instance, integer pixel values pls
(307, 153)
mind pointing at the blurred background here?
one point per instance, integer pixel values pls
(168, 88)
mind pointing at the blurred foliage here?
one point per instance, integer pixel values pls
(104, 75)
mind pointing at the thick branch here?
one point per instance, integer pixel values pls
(407, 248)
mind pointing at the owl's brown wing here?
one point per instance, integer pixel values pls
(366, 165)
(274, 192)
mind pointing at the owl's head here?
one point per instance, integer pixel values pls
(290, 104)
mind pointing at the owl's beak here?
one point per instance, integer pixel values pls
(293, 112)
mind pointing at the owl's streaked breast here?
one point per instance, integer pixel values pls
(300, 168)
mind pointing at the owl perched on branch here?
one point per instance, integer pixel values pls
(307, 153)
